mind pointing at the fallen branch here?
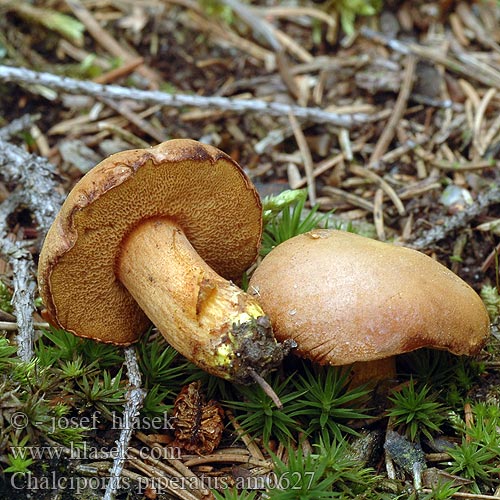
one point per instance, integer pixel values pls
(36, 178)
(116, 92)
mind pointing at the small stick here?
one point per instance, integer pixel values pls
(461, 167)
(396, 153)
(268, 390)
(37, 177)
(478, 120)
(135, 398)
(458, 220)
(325, 165)
(490, 258)
(126, 112)
(458, 30)
(464, 67)
(187, 472)
(294, 12)
(437, 457)
(252, 447)
(469, 421)
(12, 326)
(18, 125)
(467, 496)
(470, 92)
(345, 144)
(226, 457)
(193, 486)
(124, 134)
(23, 299)
(123, 70)
(221, 33)
(468, 18)
(259, 25)
(491, 133)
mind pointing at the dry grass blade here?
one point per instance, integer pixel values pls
(378, 214)
(350, 198)
(389, 191)
(398, 112)
(469, 67)
(470, 20)
(103, 38)
(479, 118)
(306, 157)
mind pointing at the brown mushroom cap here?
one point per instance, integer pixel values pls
(199, 187)
(345, 298)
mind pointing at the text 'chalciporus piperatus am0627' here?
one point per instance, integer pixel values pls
(346, 299)
(155, 235)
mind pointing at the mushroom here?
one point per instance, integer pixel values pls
(145, 236)
(346, 299)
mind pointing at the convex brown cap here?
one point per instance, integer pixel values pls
(345, 298)
(197, 186)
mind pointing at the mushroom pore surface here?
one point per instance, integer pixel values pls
(202, 190)
(345, 298)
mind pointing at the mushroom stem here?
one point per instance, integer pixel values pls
(205, 317)
(373, 371)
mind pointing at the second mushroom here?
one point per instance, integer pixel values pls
(350, 300)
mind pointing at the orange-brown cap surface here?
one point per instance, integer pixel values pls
(345, 298)
(199, 187)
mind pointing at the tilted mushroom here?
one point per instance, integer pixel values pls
(145, 236)
(346, 299)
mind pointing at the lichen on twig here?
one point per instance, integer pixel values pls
(116, 92)
(37, 190)
(135, 398)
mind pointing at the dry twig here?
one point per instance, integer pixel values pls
(458, 220)
(70, 85)
(135, 398)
